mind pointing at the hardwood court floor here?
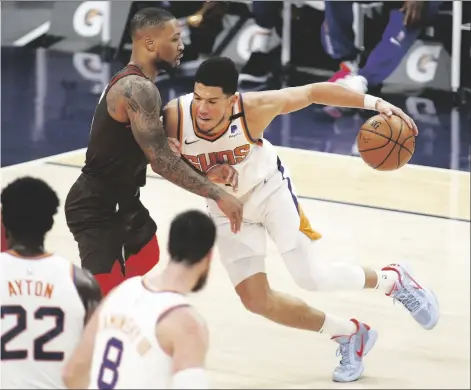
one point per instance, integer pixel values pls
(418, 215)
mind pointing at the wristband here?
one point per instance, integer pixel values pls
(370, 102)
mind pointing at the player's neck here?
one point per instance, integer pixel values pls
(173, 278)
(148, 69)
(26, 248)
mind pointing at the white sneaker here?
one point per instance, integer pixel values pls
(421, 303)
(352, 349)
(354, 82)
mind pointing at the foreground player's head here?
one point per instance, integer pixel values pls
(191, 241)
(214, 92)
(156, 36)
(28, 209)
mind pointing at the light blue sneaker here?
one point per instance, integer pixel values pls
(421, 303)
(352, 349)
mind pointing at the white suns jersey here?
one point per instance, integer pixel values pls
(127, 354)
(42, 320)
(254, 160)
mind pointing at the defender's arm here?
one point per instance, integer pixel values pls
(142, 104)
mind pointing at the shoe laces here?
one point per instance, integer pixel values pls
(344, 351)
(406, 295)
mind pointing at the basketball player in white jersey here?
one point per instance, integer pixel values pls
(45, 299)
(220, 132)
(145, 334)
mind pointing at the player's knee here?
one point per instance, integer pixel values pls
(255, 294)
(306, 272)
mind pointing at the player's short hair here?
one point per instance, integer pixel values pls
(192, 236)
(28, 208)
(149, 17)
(218, 72)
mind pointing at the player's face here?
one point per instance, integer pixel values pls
(168, 45)
(212, 106)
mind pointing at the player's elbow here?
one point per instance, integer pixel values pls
(72, 378)
(67, 377)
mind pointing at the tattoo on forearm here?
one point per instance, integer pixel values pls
(143, 108)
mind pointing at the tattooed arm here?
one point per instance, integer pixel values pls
(142, 105)
(140, 100)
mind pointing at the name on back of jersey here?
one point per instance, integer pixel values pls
(128, 327)
(28, 287)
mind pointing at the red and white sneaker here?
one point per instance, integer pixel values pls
(352, 349)
(346, 68)
(421, 303)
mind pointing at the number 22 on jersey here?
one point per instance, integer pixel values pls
(38, 342)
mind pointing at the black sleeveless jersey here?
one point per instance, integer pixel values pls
(113, 154)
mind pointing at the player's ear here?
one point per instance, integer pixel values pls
(234, 98)
(209, 256)
(150, 44)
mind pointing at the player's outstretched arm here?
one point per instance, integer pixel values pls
(184, 336)
(88, 290)
(286, 100)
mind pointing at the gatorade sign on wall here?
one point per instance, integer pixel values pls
(88, 18)
(81, 24)
(427, 64)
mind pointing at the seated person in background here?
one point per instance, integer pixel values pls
(259, 67)
(405, 25)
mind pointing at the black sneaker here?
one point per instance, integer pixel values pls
(258, 68)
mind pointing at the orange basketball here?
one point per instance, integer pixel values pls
(385, 143)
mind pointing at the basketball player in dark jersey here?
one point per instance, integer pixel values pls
(103, 209)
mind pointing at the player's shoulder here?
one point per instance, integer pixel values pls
(174, 104)
(134, 84)
(171, 106)
(253, 99)
(184, 319)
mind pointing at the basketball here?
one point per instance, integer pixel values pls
(385, 143)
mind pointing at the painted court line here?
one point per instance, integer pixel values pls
(58, 164)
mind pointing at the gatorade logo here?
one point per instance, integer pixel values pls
(88, 18)
(422, 63)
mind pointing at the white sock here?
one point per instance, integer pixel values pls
(334, 326)
(386, 280)
(260, 40)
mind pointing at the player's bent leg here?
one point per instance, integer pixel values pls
(100, 253)
(143, 261)
(314, 274)
(257, 296)
(355, 338)
(311, 273)
(141, 248)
